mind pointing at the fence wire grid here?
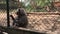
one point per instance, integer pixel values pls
(41, 21)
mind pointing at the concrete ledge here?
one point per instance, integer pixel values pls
(19, 30)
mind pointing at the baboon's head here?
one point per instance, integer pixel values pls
(20, 12)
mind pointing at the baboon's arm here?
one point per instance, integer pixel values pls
(12, 17)
(14, 21)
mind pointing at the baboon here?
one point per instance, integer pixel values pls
(21, 19)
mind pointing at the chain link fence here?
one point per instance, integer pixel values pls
(3, 17)
(42, 21)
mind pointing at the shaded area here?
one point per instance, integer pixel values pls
(19, 31)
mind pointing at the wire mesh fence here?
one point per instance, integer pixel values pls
(42, 21)
(3, 18)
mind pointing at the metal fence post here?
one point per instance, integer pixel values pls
(8, 22)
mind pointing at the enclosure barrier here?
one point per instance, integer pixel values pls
(19, 31)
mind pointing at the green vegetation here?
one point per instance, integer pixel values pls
(29, 5)
(38, 3)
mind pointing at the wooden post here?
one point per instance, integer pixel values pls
(18, 4)
(8, 22)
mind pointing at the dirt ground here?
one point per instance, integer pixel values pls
(44, 23)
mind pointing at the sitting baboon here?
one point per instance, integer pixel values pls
(21, 19)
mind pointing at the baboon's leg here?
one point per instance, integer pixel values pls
(23, 22)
